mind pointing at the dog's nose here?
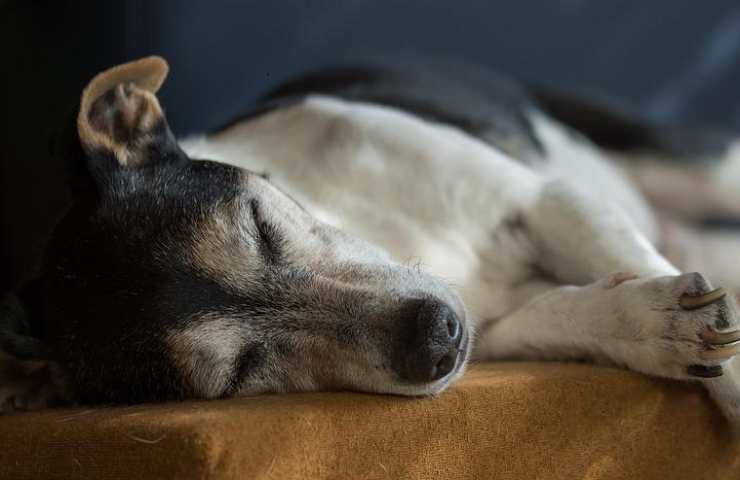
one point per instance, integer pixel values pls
(433, 334)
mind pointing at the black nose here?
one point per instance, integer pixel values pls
(430, 344)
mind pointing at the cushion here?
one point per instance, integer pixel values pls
(502, 420)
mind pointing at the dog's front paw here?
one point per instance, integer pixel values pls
(678, 326)
(27, 385)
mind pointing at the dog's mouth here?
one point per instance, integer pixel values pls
(461, 362)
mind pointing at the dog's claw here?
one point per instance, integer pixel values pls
(689, 302)
(720, 338)
(704, 371)
(721, 352)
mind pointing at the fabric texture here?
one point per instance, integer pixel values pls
(502, 421)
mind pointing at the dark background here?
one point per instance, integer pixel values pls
(667, 60)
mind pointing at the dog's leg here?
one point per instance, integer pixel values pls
(28, 384)
(704, 250)
(650, 318)
(670, 326)
(581, 239)
(28, 381)
(714, 183)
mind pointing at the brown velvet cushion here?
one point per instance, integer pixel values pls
(502, 421)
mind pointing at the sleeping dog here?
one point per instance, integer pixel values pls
(372, 228)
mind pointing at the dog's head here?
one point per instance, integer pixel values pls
(175, 277)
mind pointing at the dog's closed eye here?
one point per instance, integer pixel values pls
(271, 241)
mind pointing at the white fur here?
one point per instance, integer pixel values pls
(581, 164)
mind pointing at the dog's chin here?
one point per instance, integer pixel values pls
(431, 389)
(385, 387)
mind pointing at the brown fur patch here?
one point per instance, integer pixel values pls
(206, 352)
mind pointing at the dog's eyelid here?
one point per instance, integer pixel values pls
(268, 236)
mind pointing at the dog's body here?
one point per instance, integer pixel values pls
(457, 191)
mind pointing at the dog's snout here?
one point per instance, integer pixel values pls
(432, 347)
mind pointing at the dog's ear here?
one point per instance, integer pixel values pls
(120, 117)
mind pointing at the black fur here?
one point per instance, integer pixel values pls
(616, 128)
(16, 335)
(473, 99)
(489, 106)
(117, 253)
